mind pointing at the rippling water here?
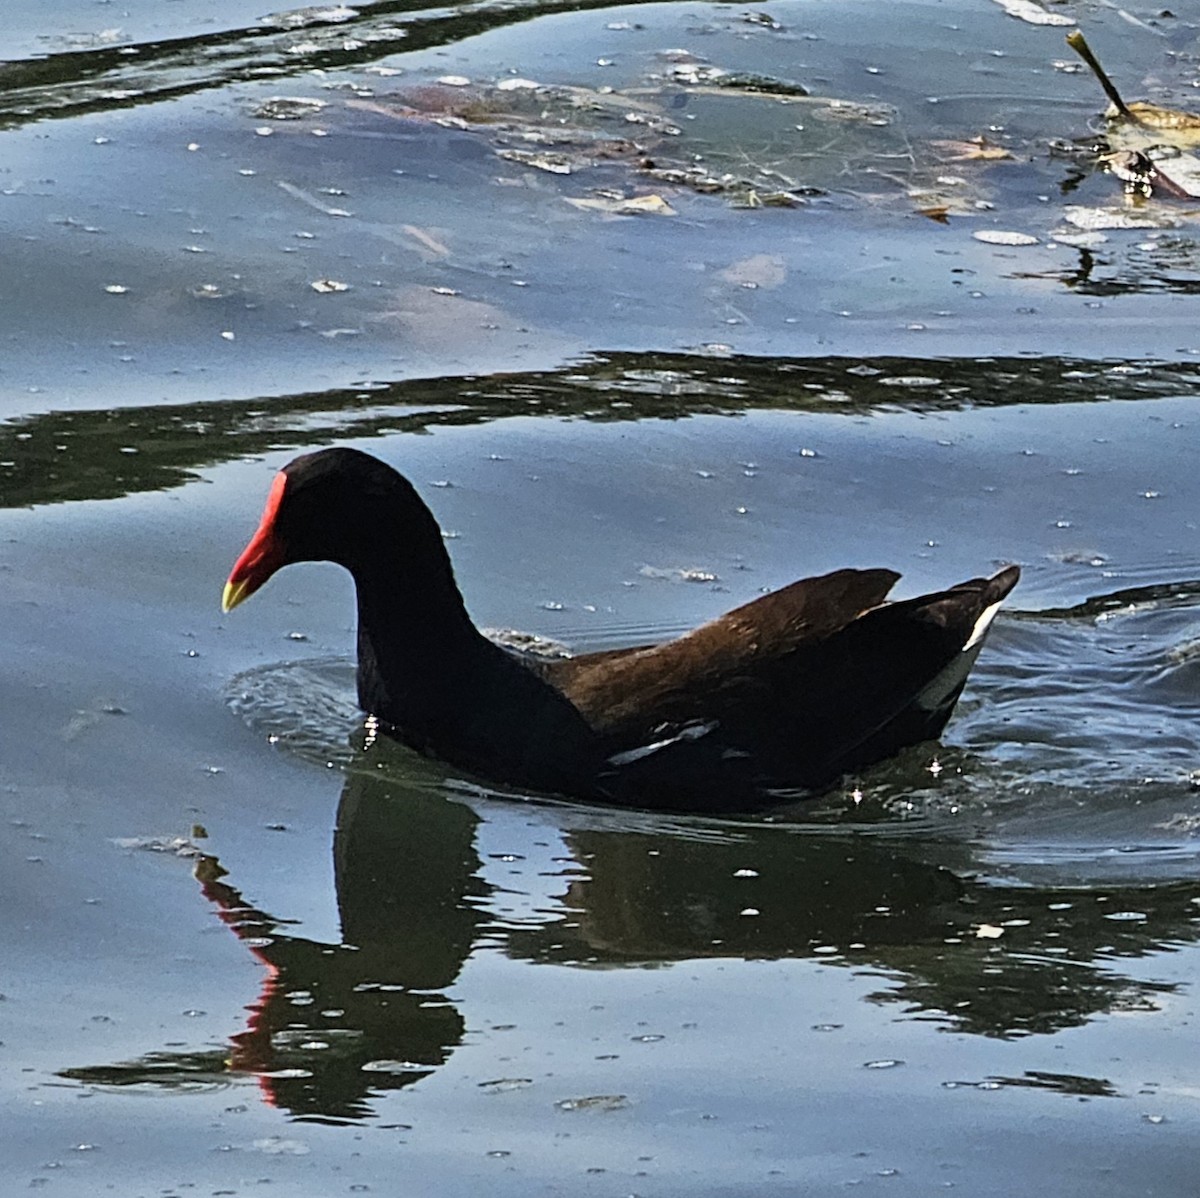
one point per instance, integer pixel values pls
(1078, 739)
(249, 947)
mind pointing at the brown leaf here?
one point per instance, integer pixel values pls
(1152, 125)
(938, 212)
(976, 148)
(651, 205)
(1166, 119)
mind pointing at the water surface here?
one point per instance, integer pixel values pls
(244, 944)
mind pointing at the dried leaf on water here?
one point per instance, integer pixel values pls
(517, 85)
(1003, 237)
(1033, 14)
(554, 164)
(1183, 126)
(594, 1102)
(937, 212)
(1149, 142)
(1116, 218)
(1082, 241)
(1135, 121)
(695, 177)
(289, 108)
(752, 197)
(973, 149)
(852, 110)
(651, 205)
(948, 196)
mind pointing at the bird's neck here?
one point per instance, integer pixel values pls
(416, 642)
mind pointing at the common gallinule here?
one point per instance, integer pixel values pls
(787, 692)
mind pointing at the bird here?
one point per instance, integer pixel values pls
(781, 696)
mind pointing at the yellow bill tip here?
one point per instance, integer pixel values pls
(234, 593)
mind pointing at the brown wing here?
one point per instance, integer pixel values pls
(722, 668)
(791, 690)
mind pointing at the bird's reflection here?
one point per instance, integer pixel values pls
(337, 1023)
(994, 960)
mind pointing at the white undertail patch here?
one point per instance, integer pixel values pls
(981, 625)
(941, 690)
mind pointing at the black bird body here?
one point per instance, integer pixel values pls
(788, 691)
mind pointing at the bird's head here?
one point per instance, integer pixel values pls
(336, 505)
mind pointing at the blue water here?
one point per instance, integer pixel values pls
(242, 946)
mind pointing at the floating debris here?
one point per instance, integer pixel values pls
(691, 574)
(594, 1102)
(1092, 219)
(752, 197)
(1003, 237)
(281, 1145)
(650, 205)
(301, 18)
(385, 1065)
(974, 149)
(1033, 14)
(555, 164)
(175, 846)
(289, 108)
(697, 178)
(1148, 144)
